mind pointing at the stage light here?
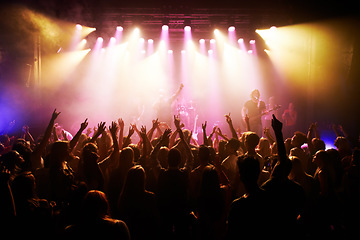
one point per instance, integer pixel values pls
(212, 41)
(136, 30)
(78, 27)
(216, 31)
(273, 28)
(59, 50)
(210, 51)
(250, 51)
(241, 40)
(112, 40)
(100, 39)
(170, 51)
(119, 28)
(165, 27)
(150, 41)
(252, 41)
(183, 51)
(202, 41)
(141, 40)
(231, 29)
(187, 28)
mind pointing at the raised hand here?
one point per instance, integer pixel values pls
(228, 118)
(177, 122)
(131, 130)
(101, 127)
(121, 123)
(84, 124)
(55, 114)
(113, 128)
(203, 125)
(143, 132)
(276, 124)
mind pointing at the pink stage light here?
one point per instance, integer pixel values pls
(150, 47)
(119, 28)
(165, 27)
(252, 41)
(241, 40)
(187, 28)
(100, 39)
(212, 41)
(170, 51)
(202, 46)
(183, 51)
(210, 51)
(231, 29)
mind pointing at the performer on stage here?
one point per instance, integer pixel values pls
(163, 106)
(253, 108)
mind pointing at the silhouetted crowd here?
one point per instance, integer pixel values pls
(162, 184)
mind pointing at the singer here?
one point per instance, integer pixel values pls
(253, 109)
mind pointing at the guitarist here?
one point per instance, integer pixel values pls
(253, 109)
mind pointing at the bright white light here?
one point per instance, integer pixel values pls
(187, 28)
(136, 30)
(250, 52)
(216, 31)
(170, 51)
(112, 40)
(78, 27)
(165, 27)
(273, 28)
(252, 41)
(241, 40)
(150, 41)
(183, 51)
(201, 41)
(141, 40)
(210, 51)
(119, 28)
(212, 41)
(100, 39)
(231, 29)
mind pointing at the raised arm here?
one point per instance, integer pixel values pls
(190, 157)
(36, 155)
(203, 126)
(277, 126)
(231, 126)
(75, 139)
(99, 131)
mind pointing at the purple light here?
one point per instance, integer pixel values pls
(231, 29)
(165, 27)
(119, 28)
(187, 28)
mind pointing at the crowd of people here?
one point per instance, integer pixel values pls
(169, 186)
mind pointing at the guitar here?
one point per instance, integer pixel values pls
(264, 113)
